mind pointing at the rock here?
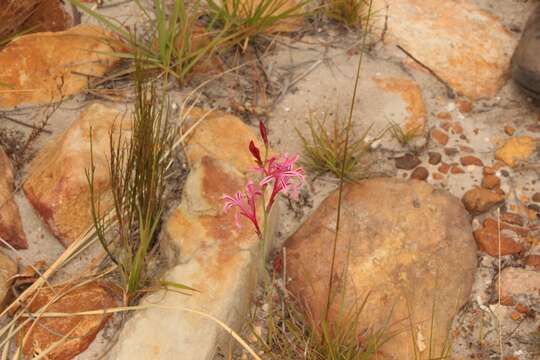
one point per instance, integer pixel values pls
(517, 281)
(444, 168)
(47, 331)
(451, 151)
(508, 130)
(56, 184)
(434, 158)
(406, 240)
(533, 261)
(207, 252)
(478, 200)
(471, 160)
(491, 182)
(439, 136)
(32, 15)
(512, 218)
(11, 229)
(487, 239)
(420, 173)
(464, 106)
(454, 169)
(516, 150)
(8, 269)
(536, 197)
(469, 48)
(407, 162)
(438, 176)
(45, 67)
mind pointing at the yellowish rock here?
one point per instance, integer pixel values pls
(45, 67)
(56, 184)
(516, 150)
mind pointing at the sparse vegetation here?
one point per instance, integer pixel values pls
(404, 137)
(139, 158)
(323, 150)
(348, 12)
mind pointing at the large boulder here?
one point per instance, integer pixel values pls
(467, 47)
(206, 251)
(11, 229)
(411, 249)
(45, 67)
(57, 186)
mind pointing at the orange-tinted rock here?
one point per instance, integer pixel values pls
(471, 160)
(47, 331)
(437, 176)
(512, 218)
(509, 130)
(420, 173)
(45, 67)
(468, 48)
(522, 308)
(487, 239)
(516, 150)
(11, 229)
(516, 282)
(479, 200)
(533, 261)
(8, 269)
(434, 158)
(464, 106)
(398, 262)
(491, 182)
(411, 94)
(56, 184)
(439, 136)
(488, 170)
(536, 197)
(444, 115)
(492, 223)
(444, 168)
(456, 170)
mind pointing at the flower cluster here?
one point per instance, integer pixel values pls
(277, 172)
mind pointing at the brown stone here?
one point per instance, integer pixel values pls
(536, 197)
(471, 160)
(11, 229)
(439, 136)
(404, 262)
(533, 261)
(56, 184)
(437, 176)
(492, 223)
(488, 241)
(516, 150)
(464, 106)
(434, 158)
(420, 173)
(507, 301)
(451, 151)
(491, 182)
(407, 162)
(466, 149)
(515, 315)
(444, 115)
(459, 34)
(8, 269)
(456, 170)
(522, 308)
(45, 67)
(488, 170)
(82, 329)
(512, 218)
(479, 200)
(508, 130)
(444, 168)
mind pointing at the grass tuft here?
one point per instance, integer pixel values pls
(404, 137)
(348, 12)
(323, 150)
(138, 164)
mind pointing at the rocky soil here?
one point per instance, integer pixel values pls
(450, 217)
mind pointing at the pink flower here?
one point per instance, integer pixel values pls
(286, 177)
(246, 204)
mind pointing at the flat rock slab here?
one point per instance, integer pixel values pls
(386, 95)
(56, 184)
(206, 251)
(411, 246)
(467, 47)
(45, 67)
